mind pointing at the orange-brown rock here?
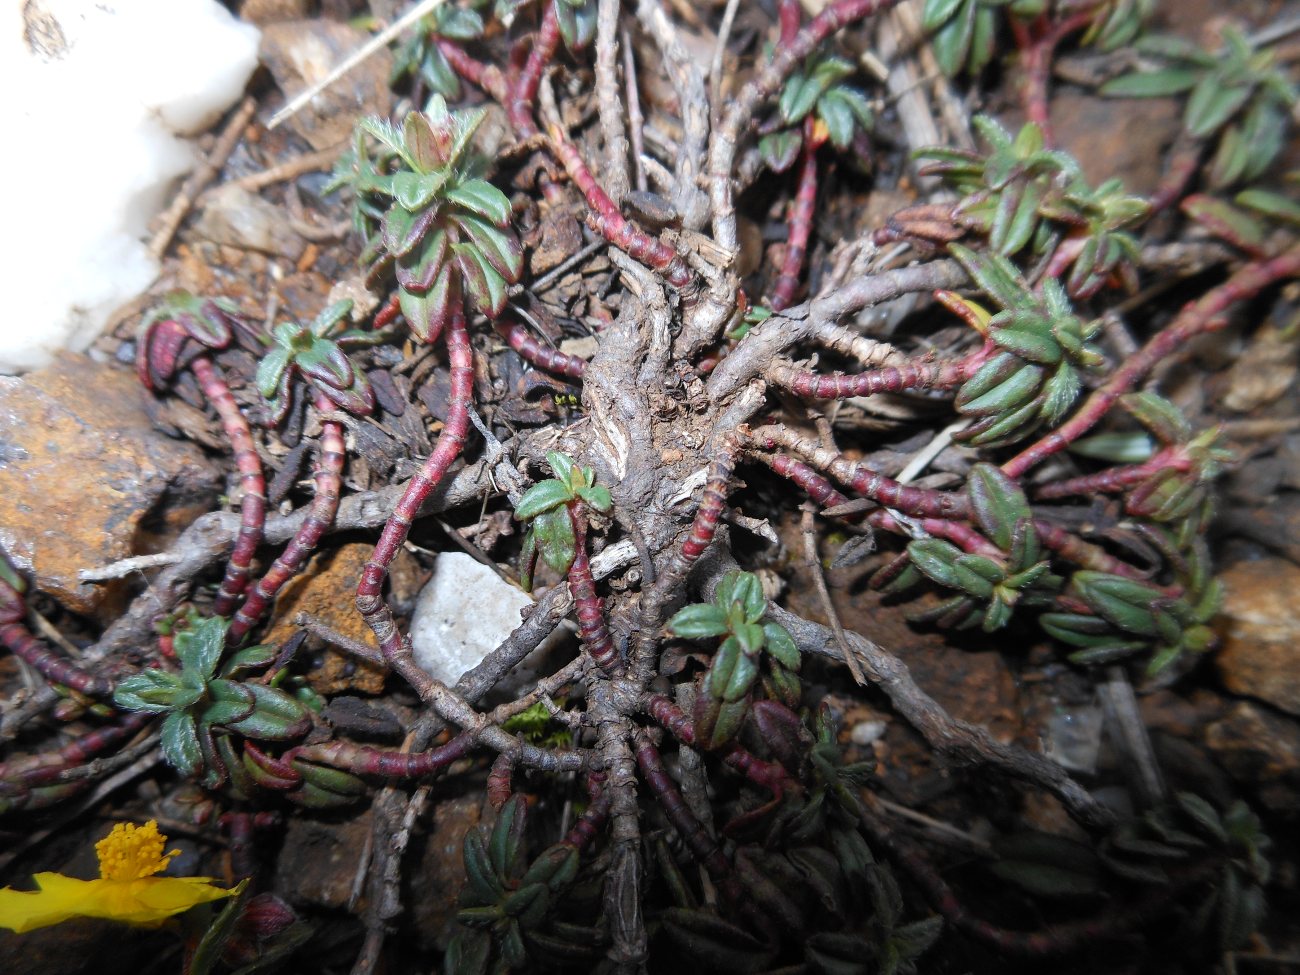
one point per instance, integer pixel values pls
(81, 472)
(324, 590)
(1260, 630)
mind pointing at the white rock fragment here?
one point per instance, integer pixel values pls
(462, 614)
(97, 94)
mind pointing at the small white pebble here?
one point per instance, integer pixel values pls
(865, 732)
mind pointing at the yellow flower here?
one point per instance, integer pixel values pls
(126, 890)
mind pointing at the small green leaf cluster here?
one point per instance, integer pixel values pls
(420, 56)
(965, 31)
(1178, 836)
(182, 316)
(1021, 194)
(1239, 96)
(577, 20)
(1034, 378)
(201, 707)
(840, 110)
(316, 354)
(1110, 617)
(546, 505)
(1250, 220)
(988, 588)
(1176, 493)
(506, 903)
(429, 217)
(736, 615)
(536, 726)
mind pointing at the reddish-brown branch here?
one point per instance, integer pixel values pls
(1037, 45)
(535, 353)
(589, 607)
(388, 313)
(605, 219)
(523, 93)
(691, 830)
(34, 771)
(740, 113)
(369, 600)
(252, 506)
(917, 502)
(770, 775)
(933, 374)
(801, 217)
(486, 76)
(1117, 479)
(49, 664)
(588, 826)
(1206, 314)
(382, 762)
(22, 644)
(329, 471)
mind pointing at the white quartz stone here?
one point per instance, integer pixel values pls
(97, 94)
(462, 614)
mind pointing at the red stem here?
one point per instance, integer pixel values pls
(384, 317)
(934, 374)
(36, 770)
(329, 471)
(590, 609)
(917, 502)
(1117, 479)
(523, 93)
(692, 831)
(535, 353)
(802, 209)
(588, 826)
(252, 506)
(485, 76)
(713, 502)
(383, 762)
(1037, 53)
(370, 602)
(55, 668)
(605, 219)
(770, 775)
(1207, 314)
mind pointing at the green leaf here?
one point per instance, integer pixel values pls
(998, 503)
(180, 744)
(154, 692)
(1157, 414)
(779, 150)
(228, 702)
(481, 197)
(482, 281)
(1271, 204)
(731, 673)
(935, 558)
(937, 13)
(276, 716)
(542, 496)
(1212, 104)
(748, 591)
(198, 647)
(1151, 84)
(781, 645)
(995, 275)
(597, 497)
(1205, 816)
(1118, 448)
(750, 637)
(952, 42)
(553, 529)
(699, 621)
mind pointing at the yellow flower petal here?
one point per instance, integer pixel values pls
(128, 892)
